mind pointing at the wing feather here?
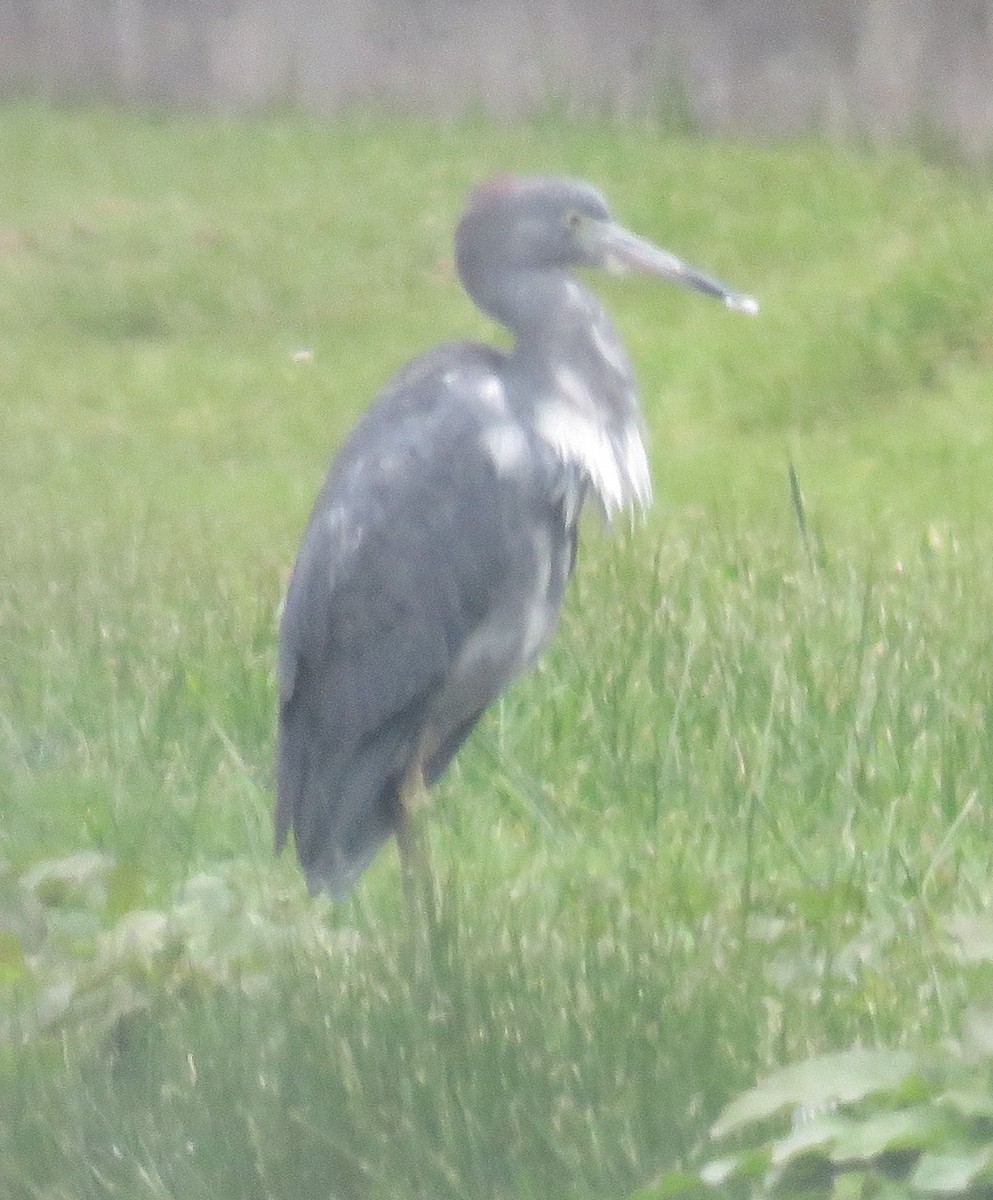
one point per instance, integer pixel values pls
(411, 538)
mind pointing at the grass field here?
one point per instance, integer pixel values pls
(720, 828)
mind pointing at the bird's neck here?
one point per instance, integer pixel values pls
(576, 386)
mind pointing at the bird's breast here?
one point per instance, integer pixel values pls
(610, 454)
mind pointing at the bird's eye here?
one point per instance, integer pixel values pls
(573, 219)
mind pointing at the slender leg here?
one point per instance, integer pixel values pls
(412, 843)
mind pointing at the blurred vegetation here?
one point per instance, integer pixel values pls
(870, 1122)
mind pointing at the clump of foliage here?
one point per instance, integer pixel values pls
(867, 1123)
(82, 948)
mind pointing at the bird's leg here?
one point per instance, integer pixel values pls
(412, 843)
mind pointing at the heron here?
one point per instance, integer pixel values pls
(433, 566)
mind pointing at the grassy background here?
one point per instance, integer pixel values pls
(720, 827)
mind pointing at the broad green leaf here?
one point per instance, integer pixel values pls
(849, 1185)
(804, 1173)
(720, 1170)
(947, 1173)
(819, 1133)
(889, 1189)
(827, 1080)
(55, 879)
(748, 1164)
(917, 1128)
(972, 1100)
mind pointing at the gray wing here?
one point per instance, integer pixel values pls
(414, 542)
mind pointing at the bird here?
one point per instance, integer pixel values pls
(434, 564)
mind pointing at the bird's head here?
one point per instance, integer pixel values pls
(534, 223)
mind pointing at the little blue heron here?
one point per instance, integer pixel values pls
(433, 566)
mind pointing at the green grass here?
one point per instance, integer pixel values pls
(718, 829)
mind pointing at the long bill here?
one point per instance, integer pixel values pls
(620, 251)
